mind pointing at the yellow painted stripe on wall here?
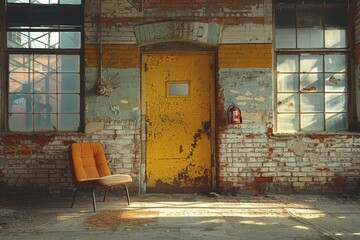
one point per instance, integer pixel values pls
(245, 56)
(114, 56)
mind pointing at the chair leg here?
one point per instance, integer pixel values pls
(93, 199)
(74, 195)
(105, 194)
(127, 194)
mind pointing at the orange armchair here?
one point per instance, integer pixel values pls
(90, 170)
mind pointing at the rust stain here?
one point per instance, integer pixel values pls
(9, 139)
(196, 137)
(2, 175)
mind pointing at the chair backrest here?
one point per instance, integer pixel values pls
(87, 161)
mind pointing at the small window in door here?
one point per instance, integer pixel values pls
(178, 88)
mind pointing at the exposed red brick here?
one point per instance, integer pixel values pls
(263, 179)
(322, 169)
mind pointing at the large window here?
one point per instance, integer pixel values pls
(312, 52)
(44, 46)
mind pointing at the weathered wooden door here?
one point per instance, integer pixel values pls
(177, 96)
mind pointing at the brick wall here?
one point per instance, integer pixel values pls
(250, 157)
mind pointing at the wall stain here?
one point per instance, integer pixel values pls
(196, 137)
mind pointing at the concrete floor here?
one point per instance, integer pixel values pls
(164, 216)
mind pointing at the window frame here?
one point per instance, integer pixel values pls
(350, 92)
(5, 127)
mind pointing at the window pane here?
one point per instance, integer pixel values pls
(312, 102)
(47, 40)
(335, 15)
(45, 63)
(44, 15)
(312, 122)
(20, 63)
(70, 40)
(287, 63)
(288, 122)
(69, 103)
(44, 122)
(287, 83)
(336, 82)
(309, 15)
(18, 1)
(44, 1)
(21, 122)
(335, 63)
(44, 103)
(312, 82)
(17, 82)
(69, 63)
(70, 1)
(18, 15)
(335, 38)
(20, 103)
(285, 38)
(336, 122)
(310, 38)
(69, 122)
(335, 102)
(18, 40)
(69, 83)
(288, 102)
(285, 16)
(311, 63)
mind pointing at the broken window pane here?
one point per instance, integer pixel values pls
(312, 82)
(312, 122)
(312, 102)
(336, 82)
(311, 64)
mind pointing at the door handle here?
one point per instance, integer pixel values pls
(206, 127)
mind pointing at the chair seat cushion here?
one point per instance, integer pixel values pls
(107, 181)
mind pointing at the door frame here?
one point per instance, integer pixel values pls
(212, 54)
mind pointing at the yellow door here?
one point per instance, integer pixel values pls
(177, 103)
